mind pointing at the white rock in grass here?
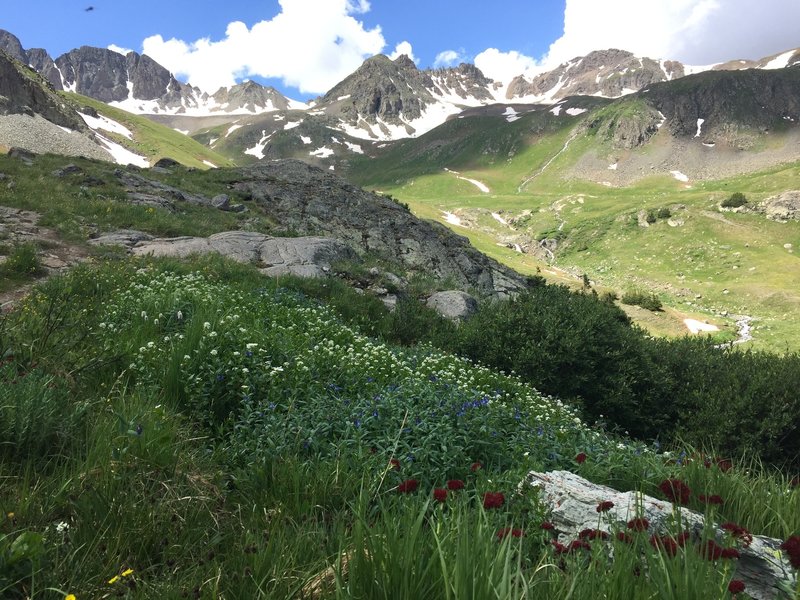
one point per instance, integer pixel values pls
(573, 500)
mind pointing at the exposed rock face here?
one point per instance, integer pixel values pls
(303, 256)
(756, 100)
(95, 72)
(23, 91)
(252, 97)
(453, 304)
(149, 80)
(609, 73)
(784, 207)
(573, 503)
(465, 81)
(315, 202)
(12, 46)
(381, 89)
(627, 128)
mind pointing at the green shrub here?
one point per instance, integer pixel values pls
(735, 200)
(22, 261)
(651, 216)
(664, 213)
(640, 298)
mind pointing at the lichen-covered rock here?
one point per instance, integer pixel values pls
(783, 207)
(453, 304)
(573, 500)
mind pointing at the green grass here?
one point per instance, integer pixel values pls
(714, 263)
(153, 140)
(171, 429)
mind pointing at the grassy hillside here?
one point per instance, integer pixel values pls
(703, 263)
(153, 140)
(178, 430)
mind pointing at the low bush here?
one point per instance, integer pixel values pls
(646, 300)
(735, 200)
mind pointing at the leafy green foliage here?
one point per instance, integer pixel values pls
(735, 200)
(644, 299)
(22, 261)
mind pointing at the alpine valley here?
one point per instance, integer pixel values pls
(611, 171)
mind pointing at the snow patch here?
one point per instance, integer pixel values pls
(511, 115)
(478, 184)
(613, 167)
(305, 140)
(695, 326)
(258, 149)
(780, 61)
(699, 127)
(499, 219)
(709, 144)
(574, 112)
(123, 156)
(663, 120)
(292, 124)
(232, 128)
(212, 141)
(340, 98)
(323, 152)
(65, 129)
(556, 110)
(106, 124)
(354, 148)
(210, 164)
(452, 219)
(331, 168)
(679, 176)
(183, 131)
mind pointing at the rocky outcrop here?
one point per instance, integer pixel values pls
(610, 73)
(573, 501)
(465, 81)
(783, 207)
(310, 201)
(252, 97)
(453, 304)
(301, 256)
(23, 91)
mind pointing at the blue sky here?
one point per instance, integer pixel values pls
(303, 47)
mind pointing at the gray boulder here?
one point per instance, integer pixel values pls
(453, 304)
(783, 207)
(302, 256)
(573, 500)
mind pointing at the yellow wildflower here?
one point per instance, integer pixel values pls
(114, 579)
(11, 515)
(127, 572)
(70, 597)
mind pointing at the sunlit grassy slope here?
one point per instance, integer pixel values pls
(154, 140)
(703, 262)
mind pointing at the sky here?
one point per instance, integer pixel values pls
(304, 47)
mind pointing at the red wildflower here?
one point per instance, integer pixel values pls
(675, 490)
(408, 486)
(455, 484)
(668, 544)
(604, 506)
(739, 532)
(576, 545)
(493, 500)
(624, 537)
(593, 534)
(475, 466)
(395, 464)
(580, 458)
(559, 548)
(736, 586)
(547, 526)
(710, 550)
(730, 553)
(713, 499)
(724, 464)
(639, 524)
(792, 548)
(440, 494)
(517, 533)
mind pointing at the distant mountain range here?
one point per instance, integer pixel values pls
(382, 100)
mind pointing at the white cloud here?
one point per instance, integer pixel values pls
(119, 49)
(448, 58)
(693, 31)
(504, 66)
(310, 45)
(403, 48)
